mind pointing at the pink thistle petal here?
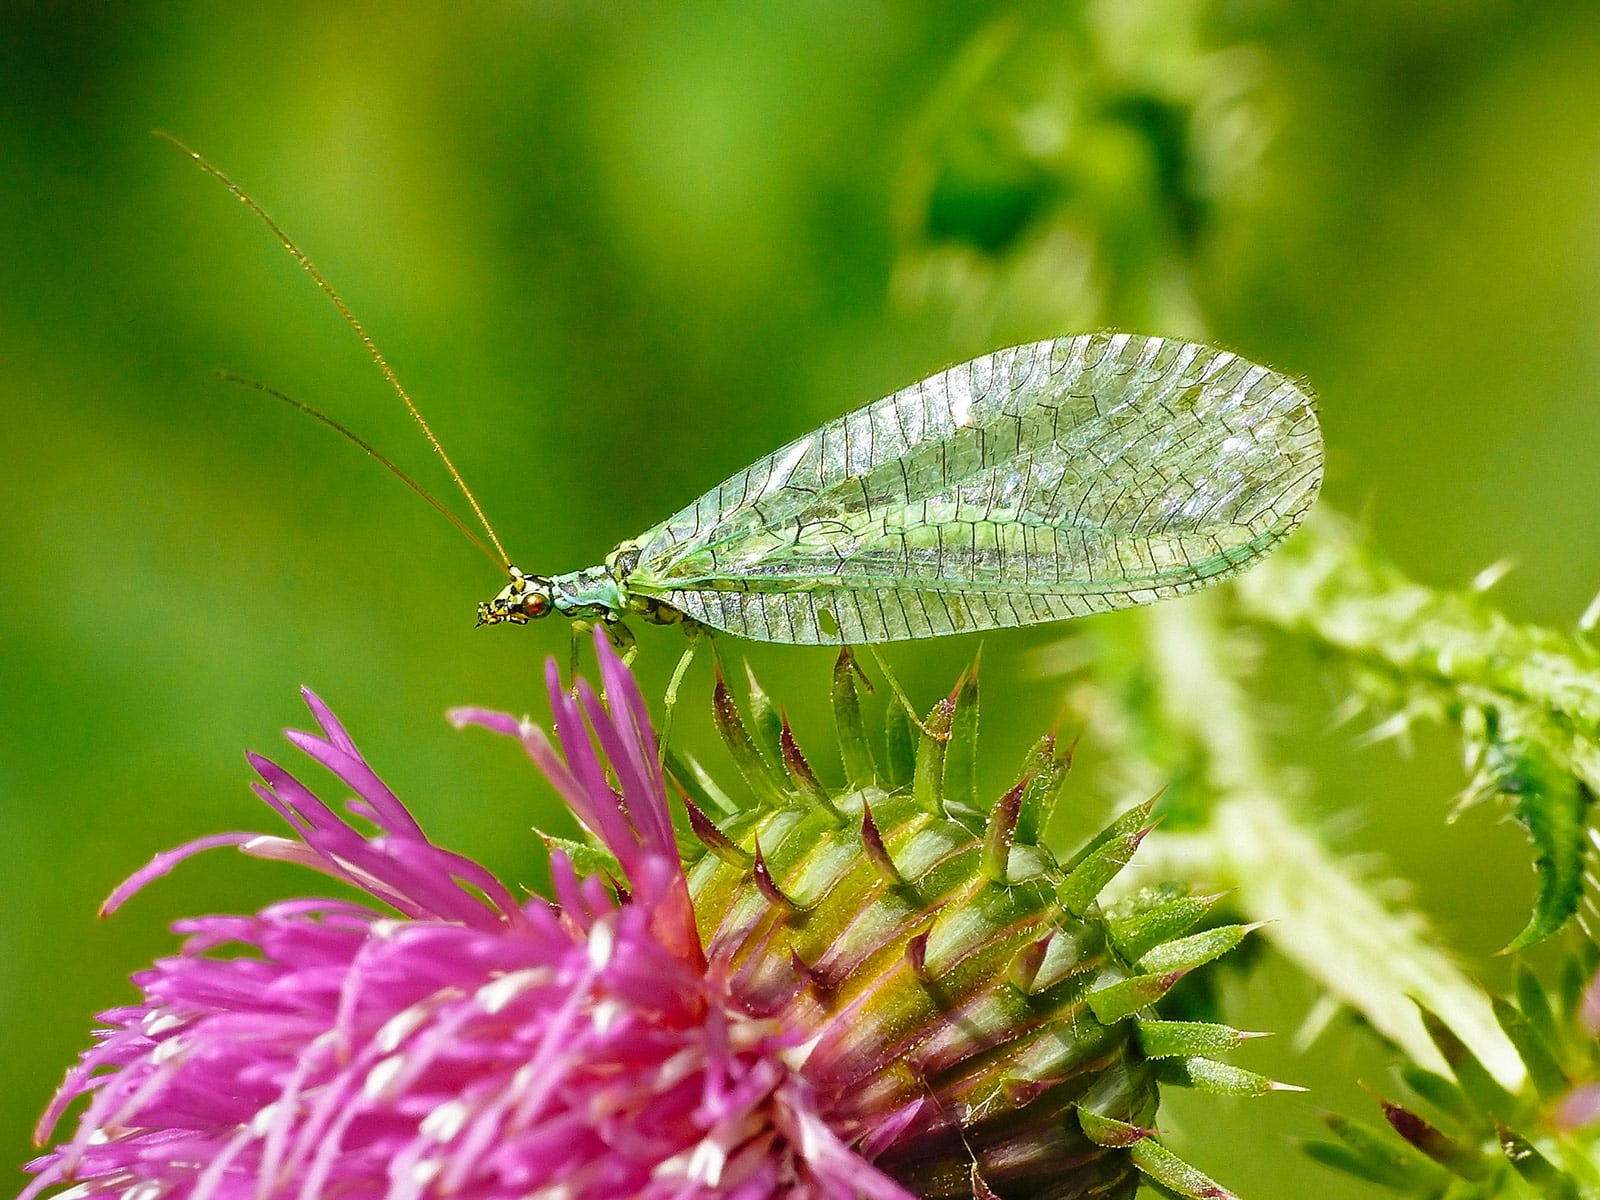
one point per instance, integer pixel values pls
(383, 805)
(404, 869)
(583, 795)
(576, 907)
(608, 819)
(330, 725)
(1579, 1108)
(488, 718)
(1589, 1008)
(630, 744)
(163, 863)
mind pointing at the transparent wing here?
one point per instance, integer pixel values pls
(1041, 482)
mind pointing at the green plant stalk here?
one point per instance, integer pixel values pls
(1321, 915)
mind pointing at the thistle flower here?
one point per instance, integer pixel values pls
(880, 992)
(471, 1046)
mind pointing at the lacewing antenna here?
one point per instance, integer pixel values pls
(383, 460)
(376, 355)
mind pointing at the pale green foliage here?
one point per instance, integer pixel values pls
(1164, 694)
(1468, 1138)
(1485, 1073)
(1525, 700)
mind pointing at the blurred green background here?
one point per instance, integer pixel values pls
(617, 252)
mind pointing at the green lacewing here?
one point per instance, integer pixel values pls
(1036, 483)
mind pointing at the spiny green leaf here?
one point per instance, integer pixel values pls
(586, 858)
(1108, 1131)
(855, 748)
(713, 839)
(961, 753)
(1524, 696)
(806, 784)
(899, 746)
(1045, 770)
(1571, 982)
(1221, 1079)
(1543, 1070)
(1116, 1001)
(1329, 585)
(1464, 1160)
(1186, 953)
(1104, 859)
(1000, 832)
(766, 723)
(877, 853)
(1025, 963)
(1186, 1039)
(1137, 927)
(1440, 1092)
(1487, 1096)
(764, 776)
(927, 784)
(1350, 1162)
(1373, 1156)
(1540, 1173)
(1171, 1172)
(691, 777)
(1534, 1002)
(1133, 820)
(1553, 806)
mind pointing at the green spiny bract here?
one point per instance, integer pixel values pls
(978, 1024)
(1468, 1136)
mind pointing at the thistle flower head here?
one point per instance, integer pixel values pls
(882, 991)
(472, 1045)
